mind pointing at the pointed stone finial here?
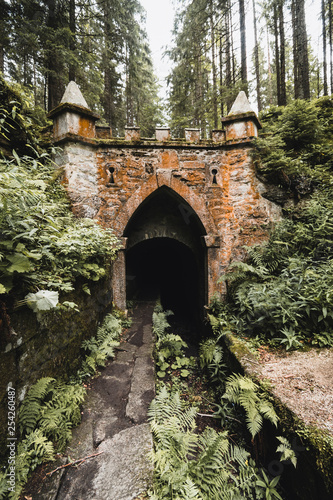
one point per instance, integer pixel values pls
(241, 122)
(241, 105)
(73, 117)
(73, 95)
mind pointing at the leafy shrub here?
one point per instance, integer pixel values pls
(46, 416)
(296, 150)
(243, 391)
(42, 244)
(283, 293)
(169, 348)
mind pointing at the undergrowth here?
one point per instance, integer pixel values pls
(43, 247)
(282, 295)
(198, 462)
(51, 408)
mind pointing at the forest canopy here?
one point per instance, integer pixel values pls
(103, 46)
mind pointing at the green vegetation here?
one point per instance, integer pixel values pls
(283, 293)
(193, 460)
(102, 347)
(43, 247)
(51, 408)
(169, 348)
(45, 252)
(101, 45)
(42, 244)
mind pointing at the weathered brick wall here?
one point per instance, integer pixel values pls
(212, 180)
(110, 181)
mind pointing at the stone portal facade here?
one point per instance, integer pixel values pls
(212, 184)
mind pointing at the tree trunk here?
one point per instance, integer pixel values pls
(300, 51)
(297, 90)
(72, 27)
(221, 73)
(305, 70)
(243, 41)
(330, 22)
(55, 70)
(270, 94)
(2, 58)
(277, 55)
(233, 58)
(198, 90)
(323, 20)
(107, 92)
(3, 34)
(283, 90)
(229, 55)
(256, 56)
(212, 37)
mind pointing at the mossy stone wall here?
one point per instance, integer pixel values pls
(49, 345)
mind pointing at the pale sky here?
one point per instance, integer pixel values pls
(159, 25)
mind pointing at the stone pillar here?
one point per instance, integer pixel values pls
(218, 135)
(162, 134)
(119, 277)
(73, 116)
(192, 135)
(241, 122)
(212, 243)
(132, 134)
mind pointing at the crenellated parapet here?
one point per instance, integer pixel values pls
(74, 119)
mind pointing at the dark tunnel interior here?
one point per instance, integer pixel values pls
(166, 257)
(164, 268)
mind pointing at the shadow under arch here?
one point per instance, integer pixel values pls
(166, 256)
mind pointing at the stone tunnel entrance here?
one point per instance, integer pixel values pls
(185, 208)
(166, 254)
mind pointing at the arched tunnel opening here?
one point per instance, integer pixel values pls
(166, 257)
(165, 269)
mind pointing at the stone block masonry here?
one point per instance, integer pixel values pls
(213, 181)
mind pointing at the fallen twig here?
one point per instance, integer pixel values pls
(214, 415)
(79, 461)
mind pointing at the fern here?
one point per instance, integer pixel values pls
(207, 351)
(31, 452)
(51, 408)
(3, 485)
(160, 323)
(287, 453)
(243, 391)
(190, 465)
(101, 347)
(30, 410)
(168, 346)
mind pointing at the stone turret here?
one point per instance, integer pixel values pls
(241, 122)
(73, 116)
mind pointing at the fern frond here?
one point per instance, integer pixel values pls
(267, 410)
(29, 413)
(245, 392)
(3, 486)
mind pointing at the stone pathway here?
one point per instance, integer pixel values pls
(114, 422)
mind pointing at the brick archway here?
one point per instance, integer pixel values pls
(165, 178)
(190, 205)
